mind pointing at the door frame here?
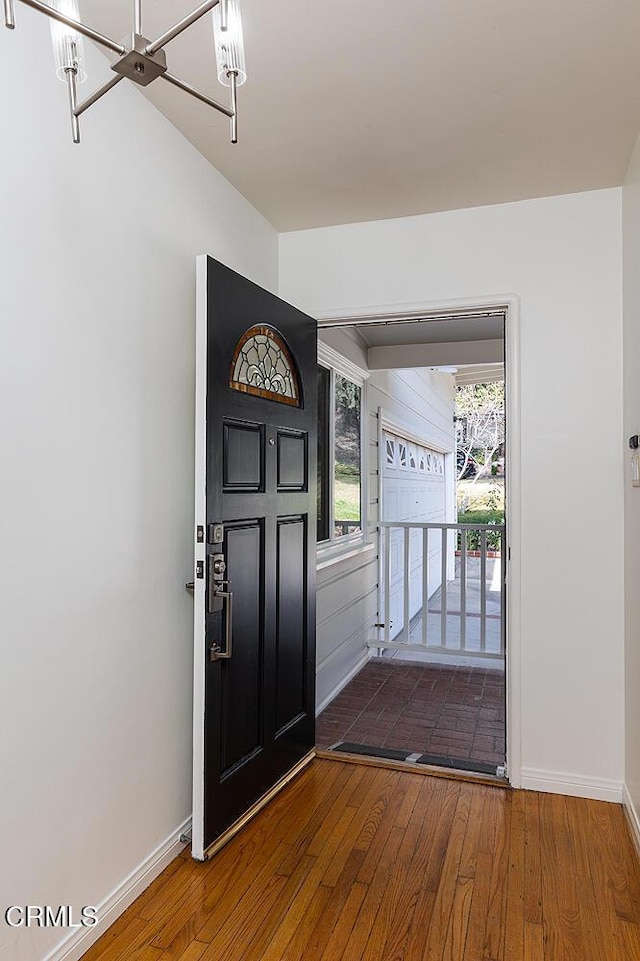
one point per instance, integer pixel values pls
(200, 519)
(510, 303)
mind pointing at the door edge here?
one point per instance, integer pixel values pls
(255, 808)
(200, 507)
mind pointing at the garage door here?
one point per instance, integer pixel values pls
(413, 491)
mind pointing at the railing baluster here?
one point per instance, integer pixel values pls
(425, 583)
(407, 579)
(387, 582)
(463, 590)
(483, 590)
(427, 637)
(443, 591)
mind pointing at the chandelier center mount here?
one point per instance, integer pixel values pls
(138, 64)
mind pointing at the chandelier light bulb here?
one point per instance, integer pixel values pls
(68, 48)
(229, 44)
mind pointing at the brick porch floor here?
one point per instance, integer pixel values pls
(455, 712)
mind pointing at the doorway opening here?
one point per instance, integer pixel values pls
(430, 686)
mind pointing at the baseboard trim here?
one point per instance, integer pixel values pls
(632, 817)
(80, 940)
(573, 785)
(343, 682)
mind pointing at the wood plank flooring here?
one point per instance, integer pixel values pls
(352, 862)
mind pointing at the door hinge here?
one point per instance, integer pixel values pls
(200, 570)
(200, 534)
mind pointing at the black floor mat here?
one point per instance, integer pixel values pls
(477, 767)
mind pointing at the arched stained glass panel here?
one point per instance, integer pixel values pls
(262, 365)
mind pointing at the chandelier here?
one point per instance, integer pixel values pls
(138, 58)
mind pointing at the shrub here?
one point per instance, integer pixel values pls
(473, 537)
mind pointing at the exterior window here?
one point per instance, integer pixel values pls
(391, 452)
(324, 447)
(339, 456)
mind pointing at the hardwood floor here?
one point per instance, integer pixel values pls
(352, 862)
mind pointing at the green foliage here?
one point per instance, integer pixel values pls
(347, 394)
(479, 398)
(347, 497)
(480, 495)
(343, 470)
(473, 537)
(481, 517)
(347, 422)
(495, 502)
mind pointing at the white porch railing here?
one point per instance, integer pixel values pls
(442, 589)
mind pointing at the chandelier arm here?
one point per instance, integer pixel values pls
(233, 83)
(9, 15)
(137, 16)
(181, 85)
(97, 94)
(75, 24)
(72, 75)
(180, 27)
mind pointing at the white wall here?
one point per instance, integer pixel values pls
(631, 263)
(562, 257)
(97, 277)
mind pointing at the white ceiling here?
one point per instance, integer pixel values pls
(364, 109)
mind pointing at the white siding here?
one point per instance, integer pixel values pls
(412, 490)
(420, 404)
(422, 401)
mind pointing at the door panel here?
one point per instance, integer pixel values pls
(241, 678)
(292, 461)
(254, 668)
(292, 628)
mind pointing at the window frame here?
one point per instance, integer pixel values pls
(337, 547)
